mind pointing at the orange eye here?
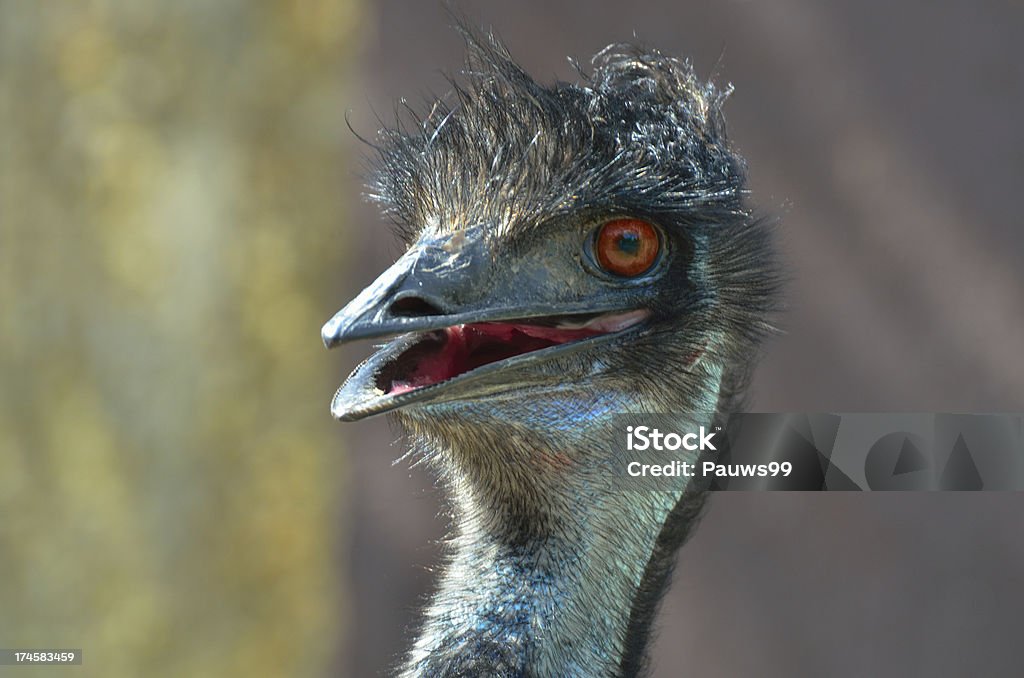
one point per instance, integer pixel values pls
(627, 247)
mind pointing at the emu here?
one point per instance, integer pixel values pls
(575, 252)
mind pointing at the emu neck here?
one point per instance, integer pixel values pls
(554, 571)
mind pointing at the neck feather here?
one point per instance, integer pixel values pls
(554, 569)
(541, 588)
(539, 607)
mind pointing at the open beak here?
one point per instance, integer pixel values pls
(457, 321)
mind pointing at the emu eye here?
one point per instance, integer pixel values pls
(627, 247)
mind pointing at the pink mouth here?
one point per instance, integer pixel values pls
(456, 350)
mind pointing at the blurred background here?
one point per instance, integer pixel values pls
(180, 211)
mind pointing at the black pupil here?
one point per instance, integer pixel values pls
(629, 243)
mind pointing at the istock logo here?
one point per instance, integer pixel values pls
(646, 438)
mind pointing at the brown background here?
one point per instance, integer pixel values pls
(888, 135)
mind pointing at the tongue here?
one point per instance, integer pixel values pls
(436, 367)
(467, 347)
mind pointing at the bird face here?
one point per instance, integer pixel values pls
(581, 244)
(484, 312)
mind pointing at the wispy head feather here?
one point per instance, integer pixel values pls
(639, 133)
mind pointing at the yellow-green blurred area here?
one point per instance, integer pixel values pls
(169, 220)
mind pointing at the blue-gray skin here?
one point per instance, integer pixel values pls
(551, 570)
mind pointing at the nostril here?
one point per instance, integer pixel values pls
(413, 307)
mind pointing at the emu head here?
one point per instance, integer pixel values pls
(573, 251)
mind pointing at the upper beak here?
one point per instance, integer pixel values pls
(448, 280)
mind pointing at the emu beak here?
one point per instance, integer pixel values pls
(457, 322)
